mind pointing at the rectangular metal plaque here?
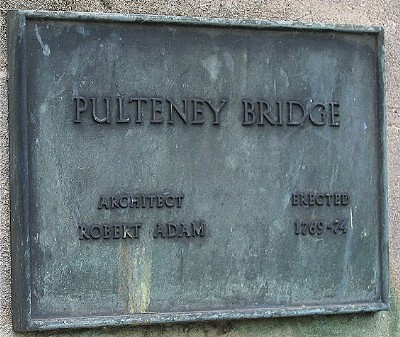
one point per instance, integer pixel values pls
(176, 169)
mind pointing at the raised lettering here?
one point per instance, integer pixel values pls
(280, 113)
(249, 116)
(265, 110)
(123, 201)
(151, 198)
(113, 202)
(133, 202)
(319, 199)
(159, 202)
(158, 230)
(171, 230)
(173, 108)
(116, 231)
(156, 111)
(317, 114)
(217, 112)
(198, 229)
(107, 231)
(169, 201)
(102, 202)
(121, 117)
(198, 110)
(334, 114)
(138, 101)
(80, 108)
(295, 199)
(82, 233)
(184, 230)
(300, 108)
(106, 119)
(126, 233)
(95, 232)
(345, 199)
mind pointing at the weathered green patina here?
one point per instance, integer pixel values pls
(177, 170)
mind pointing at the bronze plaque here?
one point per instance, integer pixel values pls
(179, 169)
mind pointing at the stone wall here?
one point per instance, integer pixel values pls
(384, 13)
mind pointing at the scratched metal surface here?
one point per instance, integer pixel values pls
(237, 179)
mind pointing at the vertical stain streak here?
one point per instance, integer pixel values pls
(243, 73)
(45, 47)
(351, 219)
(346, 257)
(137, 271)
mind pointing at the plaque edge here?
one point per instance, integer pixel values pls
(19, 182)
(384, 230)
(201, 316)
(196, 21)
